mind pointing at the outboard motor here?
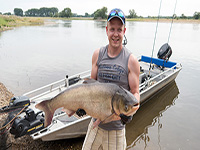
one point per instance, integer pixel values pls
(164, 52)
(27, 122)
(30, 123)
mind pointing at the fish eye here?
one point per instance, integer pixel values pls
(126, 108)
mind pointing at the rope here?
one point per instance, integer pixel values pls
(12, 119)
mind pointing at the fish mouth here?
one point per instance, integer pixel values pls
(135, 105)
(133, 109)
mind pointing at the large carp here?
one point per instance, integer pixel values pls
(104, 101)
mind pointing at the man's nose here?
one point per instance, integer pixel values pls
(116, 33)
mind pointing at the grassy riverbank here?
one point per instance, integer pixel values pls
(8, 22)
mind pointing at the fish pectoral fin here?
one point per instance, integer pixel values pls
(89, 80)
(112, 117)
(68, 112)
(48, 112)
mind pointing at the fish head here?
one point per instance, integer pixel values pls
(124, 102)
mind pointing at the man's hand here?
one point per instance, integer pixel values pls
(80, 112)
(125, 119)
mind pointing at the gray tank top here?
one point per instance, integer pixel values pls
(113, 70)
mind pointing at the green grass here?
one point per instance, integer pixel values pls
(3, 22)
(7, 22)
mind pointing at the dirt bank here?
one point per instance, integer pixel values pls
(7, 141)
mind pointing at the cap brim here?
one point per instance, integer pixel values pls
(117, 17)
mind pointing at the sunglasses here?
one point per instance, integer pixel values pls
(116, 13)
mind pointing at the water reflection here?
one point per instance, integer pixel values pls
(100, 24)
(68, 24)
(131, 23)
(149, 114)
(196, 26)
(59, 23)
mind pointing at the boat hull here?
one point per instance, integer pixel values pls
(64, 127)
(74, 129)
(144, 95)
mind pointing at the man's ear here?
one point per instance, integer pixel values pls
(107, 30)
(124, 30)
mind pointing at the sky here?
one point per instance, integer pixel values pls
(142, 7)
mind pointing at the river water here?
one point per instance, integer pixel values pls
(33, 56)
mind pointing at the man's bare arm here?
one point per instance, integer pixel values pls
(94, 64)
(133, 76)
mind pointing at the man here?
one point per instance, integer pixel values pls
(113, 63)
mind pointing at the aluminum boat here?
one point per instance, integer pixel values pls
(152, 80)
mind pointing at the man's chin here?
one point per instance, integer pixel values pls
(116, 45)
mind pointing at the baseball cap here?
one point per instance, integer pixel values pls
(116, 12)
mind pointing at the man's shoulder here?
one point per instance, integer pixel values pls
(100, 50)
(96, 53)
(103, 48)
(133, 59)
(133, 63)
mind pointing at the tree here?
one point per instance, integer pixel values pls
(183, 16)
(32, 12)
(42, 12)
(74, 15)
(101, 13)
(132, 14)
(87, 15)
(66, 13)
(8, 13)
(196, 15)
(18, 12)
(52, 12)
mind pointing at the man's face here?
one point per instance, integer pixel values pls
(115, 31)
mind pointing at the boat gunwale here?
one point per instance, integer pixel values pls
(65, 80)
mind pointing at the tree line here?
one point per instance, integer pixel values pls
(98, 14)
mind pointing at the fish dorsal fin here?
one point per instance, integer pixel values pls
(89, 80)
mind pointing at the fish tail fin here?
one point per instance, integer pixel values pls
(48, 113)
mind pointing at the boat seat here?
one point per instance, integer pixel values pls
(158, 61)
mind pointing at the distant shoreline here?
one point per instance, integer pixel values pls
(165, 20)
(9, 22)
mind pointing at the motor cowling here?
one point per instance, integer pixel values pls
(164, 52)
(28, 124)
